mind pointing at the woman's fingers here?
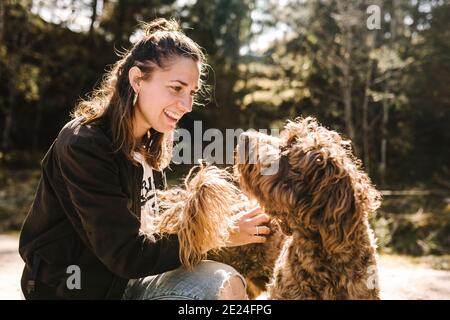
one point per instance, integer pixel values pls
(250, 228)
(257, 239)
(253, 212)
(261, 230)
(259, 219)
(243, 238)
(255, 225)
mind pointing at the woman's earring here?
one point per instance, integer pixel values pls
(135, 98)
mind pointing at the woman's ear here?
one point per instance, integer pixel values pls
(135, 76)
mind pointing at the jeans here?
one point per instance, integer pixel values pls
(203, 283)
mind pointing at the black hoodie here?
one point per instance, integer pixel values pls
(86, 212)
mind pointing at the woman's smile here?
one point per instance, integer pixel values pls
(172, 117)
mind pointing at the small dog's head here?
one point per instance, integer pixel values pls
(318, 188)
(200, 213)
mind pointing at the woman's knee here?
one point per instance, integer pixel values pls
(229, 284)
(233, 288)
(210, 280)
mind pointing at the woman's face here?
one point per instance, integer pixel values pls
(166, 96)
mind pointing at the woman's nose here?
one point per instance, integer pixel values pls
(185, 104)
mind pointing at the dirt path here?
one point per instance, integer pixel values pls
(400, 278)
(403, 279)
(10, 268)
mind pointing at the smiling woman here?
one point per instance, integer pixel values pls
(99, 180)
(164, 98)
(148, 91)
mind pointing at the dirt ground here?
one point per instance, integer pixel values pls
(10, 268)
(400, 277)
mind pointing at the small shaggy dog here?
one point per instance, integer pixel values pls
(200, 213)
(321, 200)
(321, 245)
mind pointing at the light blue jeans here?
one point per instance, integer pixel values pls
(203, 283)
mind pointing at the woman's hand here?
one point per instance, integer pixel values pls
(248, 228)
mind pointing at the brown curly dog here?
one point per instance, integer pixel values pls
(321, 199)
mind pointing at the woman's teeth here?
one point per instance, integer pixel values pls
(172, 115)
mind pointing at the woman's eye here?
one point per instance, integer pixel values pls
(176, 88)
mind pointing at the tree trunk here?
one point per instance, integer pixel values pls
(121, 14)
(21, 43)
(347, 89)
(384, 133)
(37, 125)
(384, 142)
(6, 134)
(2, 20)
(13, 64)
(365, 106)
(93, 17)
(345, 65)
(365, 124)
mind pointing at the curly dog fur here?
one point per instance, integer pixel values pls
(321, 199)
(199, 213)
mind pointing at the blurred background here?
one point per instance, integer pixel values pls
(386, 88)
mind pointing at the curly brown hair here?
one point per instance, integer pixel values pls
(163, 40)
(321, 199)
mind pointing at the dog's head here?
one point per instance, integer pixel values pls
(261, 176)
(318, 187)
(200, 213)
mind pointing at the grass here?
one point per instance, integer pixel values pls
(16, 195)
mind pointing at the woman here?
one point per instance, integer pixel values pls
(81, 238)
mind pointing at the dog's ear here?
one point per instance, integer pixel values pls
(340, 214)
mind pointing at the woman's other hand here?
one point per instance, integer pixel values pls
(249, 228)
